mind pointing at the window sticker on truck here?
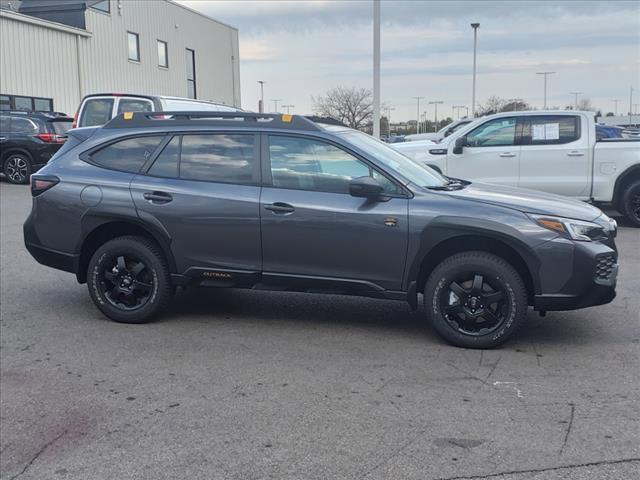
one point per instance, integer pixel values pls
(546, 131)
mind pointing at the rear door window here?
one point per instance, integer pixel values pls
(223, 158)
(134, 105)
(126, 155)
(23, 126)
(96, 111)
(551, 129)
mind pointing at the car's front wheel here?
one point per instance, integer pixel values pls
(475, 300)
(129, 280)
(17, 168)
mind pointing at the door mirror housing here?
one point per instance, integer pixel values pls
(459, 145)
(365, 187)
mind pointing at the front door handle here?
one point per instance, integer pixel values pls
(507, 155)
(280, 207)
(157, 197)
(575, 153)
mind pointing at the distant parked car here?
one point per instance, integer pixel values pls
(440, 134)
(98, 108)
(395, 139)
(28, 140)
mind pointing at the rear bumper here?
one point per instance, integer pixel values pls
(592, 270)
(53, 258)
(47, 256)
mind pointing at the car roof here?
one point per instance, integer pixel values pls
(43, 115)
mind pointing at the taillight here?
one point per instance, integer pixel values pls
(40, 184)
(75, 120)
(52, 137)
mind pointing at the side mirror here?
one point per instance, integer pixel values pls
(365, 187)
(461, 142)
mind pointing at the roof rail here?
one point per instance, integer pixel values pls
(226, 119)
(28, 112)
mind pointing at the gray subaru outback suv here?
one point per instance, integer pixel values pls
(150, 202)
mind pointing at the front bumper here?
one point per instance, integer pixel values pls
(576, 274)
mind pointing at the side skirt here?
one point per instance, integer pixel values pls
(227, 278)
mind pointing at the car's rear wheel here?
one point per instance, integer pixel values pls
(475, 300)
(129, 280)
(630, 203)
(17, 168)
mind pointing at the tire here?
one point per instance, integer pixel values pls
(630, 203)
(129, 280)
(17, 168)
(470, 318)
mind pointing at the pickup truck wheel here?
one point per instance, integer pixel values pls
(475, 300)
(630, 203)
(129, 280)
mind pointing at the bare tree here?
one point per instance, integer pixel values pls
(495, 104)
(351, 106)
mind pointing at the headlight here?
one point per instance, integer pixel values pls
(570, 228)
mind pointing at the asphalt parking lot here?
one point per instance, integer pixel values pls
(252, 385)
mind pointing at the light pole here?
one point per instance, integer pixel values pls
(376, 68)
(261, 103)
(546, 74)
(275, 103)
(615, 102)
(288, 107)
(436, 103)
(475, 50)
(418, 113)
(630, 103)
(575, 99)
(389, 110)
(458, 107)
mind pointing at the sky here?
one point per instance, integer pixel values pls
(301, 49)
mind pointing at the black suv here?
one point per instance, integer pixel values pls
(150, 202)
(28, 140)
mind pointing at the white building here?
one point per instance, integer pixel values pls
(52, 53)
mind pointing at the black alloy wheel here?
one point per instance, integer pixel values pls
(126, 282)
(475, 299)
(129, 280)
(473, 305)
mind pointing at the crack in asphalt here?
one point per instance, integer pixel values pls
(40, 452)
(541, 470)
(566, 435)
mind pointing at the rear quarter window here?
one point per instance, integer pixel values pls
(126, 155)
(61, 127)
(23, 126)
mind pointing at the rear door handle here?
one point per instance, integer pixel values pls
(157, 197)
(575, 153)
(280, 207)
(507, 154)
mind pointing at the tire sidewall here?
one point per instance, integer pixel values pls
(97, 265)
(509, 280)
(26, 159)
(627, 198)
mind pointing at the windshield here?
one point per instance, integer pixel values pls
(420, 176)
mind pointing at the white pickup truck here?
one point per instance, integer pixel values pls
(552, 151)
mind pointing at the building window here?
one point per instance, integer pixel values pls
(133, 42)
(191, 73)
(163, 55)
(102, 6)
(19, 102)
